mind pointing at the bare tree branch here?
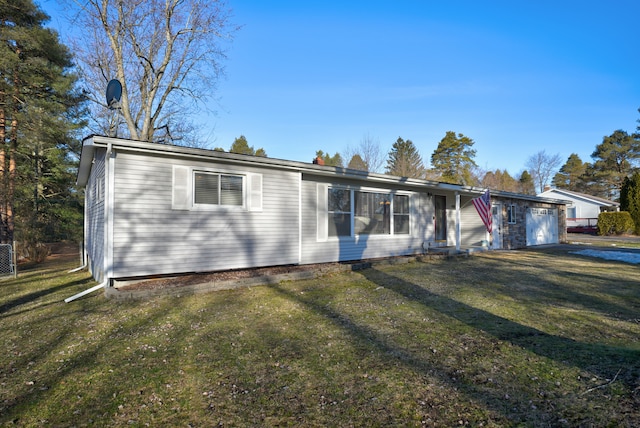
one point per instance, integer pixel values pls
(161, 51)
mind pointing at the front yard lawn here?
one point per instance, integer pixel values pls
(515, 338)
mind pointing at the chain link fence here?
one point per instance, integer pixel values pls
(7, 261)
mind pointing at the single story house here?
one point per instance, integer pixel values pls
(582, 209)
(155, 209)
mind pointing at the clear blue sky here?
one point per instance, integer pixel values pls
(515, 76)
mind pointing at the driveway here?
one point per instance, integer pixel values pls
(627, 242)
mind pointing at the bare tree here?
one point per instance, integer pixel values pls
(542, 168)
(369, 151)
(166, 53)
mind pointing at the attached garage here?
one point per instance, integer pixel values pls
(542, 226)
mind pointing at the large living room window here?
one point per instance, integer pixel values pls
(358, 212)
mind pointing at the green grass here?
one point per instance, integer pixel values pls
(525, 338)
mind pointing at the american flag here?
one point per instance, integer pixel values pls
(483, 206)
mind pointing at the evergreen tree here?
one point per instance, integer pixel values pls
(335, 160)
(614, 159)
(571, 174)
(630, 199)
(241, 145)
(356, 162)
(499, 180)
(453, 158)
(39, 112)
(404, 160)
(525, 184)
(593, 183)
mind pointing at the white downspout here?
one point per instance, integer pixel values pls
(85, 292)
(108, 232)
(458, 235)
(299, 217)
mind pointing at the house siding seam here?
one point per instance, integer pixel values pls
(152, 238)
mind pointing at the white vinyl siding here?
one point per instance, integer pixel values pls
(472, 229)
(94, 210)
(152, 237)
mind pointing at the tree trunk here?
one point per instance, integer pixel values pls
(13, 152)
(3, 160)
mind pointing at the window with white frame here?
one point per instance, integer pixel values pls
(511, 214)
(339, 209)
(372, 213)
(358, 212)
(218, 189)
(571, 212)
(401, 214)
(203, 189)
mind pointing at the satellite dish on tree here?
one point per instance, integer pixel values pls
(114, 92)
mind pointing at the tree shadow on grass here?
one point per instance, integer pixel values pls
(562, 285)
(587, 356)
(565, 351)
(32, 297)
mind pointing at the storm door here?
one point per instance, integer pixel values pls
(440, 219)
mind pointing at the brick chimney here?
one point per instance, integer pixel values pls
(318, 161)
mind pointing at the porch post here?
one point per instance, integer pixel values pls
(458, 221)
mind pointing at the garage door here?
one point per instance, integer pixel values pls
(542, 226)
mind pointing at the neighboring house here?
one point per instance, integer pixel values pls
(582, 209)
(155, 209)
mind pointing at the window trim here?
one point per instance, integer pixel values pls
(512, 214)
(218, 206)
(331, 213)
(183, 189)
(324, 206)
(394, 214)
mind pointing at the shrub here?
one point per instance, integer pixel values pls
(615, 223)
(34, 251)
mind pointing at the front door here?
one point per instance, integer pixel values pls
(440, 217)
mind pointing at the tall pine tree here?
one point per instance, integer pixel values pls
(39, 111)
(453, 159)
(570, 175)
(404, 160)
(614, 159)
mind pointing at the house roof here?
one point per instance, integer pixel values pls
(109, 143)
(582, 196)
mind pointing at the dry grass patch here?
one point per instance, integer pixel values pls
(526, 338)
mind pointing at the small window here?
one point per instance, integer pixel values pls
(571, 212)
(401, 214)
(218, 189)
(511, 214)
